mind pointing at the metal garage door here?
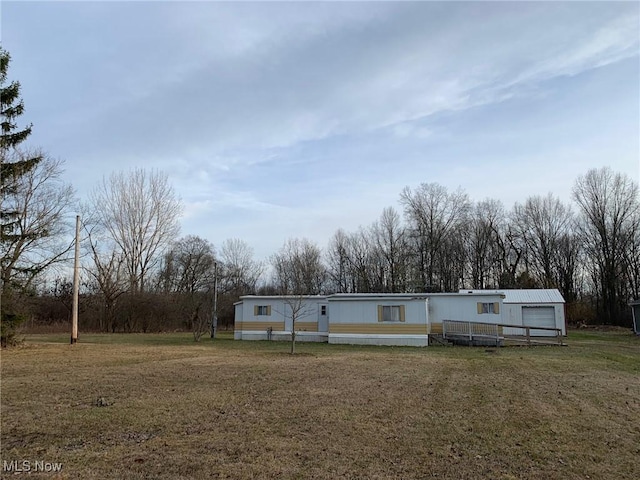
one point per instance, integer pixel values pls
(539, 317)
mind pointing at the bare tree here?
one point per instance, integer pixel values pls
(569, 258)
(363, 261)
(109, 278)
(188, 272)
(298, 271)
(297, 309)
(241, 272)
(107, 272)
(632, 261)
(372, 259)
(390, 241)
(543, 222)
(484, 231)
(188, 266)
(298, 268)
(452, 260)
(140, 211)
(610, 207)
(435, 216)
(37, 238)
(338, 262)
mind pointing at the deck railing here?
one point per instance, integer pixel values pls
(498, 333)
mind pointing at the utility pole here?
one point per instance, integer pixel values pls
(76, 285)
(214, 320)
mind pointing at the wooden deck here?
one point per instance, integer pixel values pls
(498, 334)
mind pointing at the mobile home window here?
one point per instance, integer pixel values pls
(493, 307)
(323, 309)
(391, 313)
(262, 310)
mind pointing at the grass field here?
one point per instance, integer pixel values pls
(174, 409)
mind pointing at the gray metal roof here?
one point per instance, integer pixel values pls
(532, 295)
(510, 296)
(282, 297)
(404, 296)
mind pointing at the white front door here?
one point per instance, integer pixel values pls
(323, 318)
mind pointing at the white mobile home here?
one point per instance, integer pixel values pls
(269, 318)
(404, 319)
(379, 319)
(399, 319)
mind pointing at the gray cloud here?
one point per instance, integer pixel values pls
(310, 84)
(280, 108)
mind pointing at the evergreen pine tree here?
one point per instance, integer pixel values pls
(12, 166)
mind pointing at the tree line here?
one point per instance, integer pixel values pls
(443, 242)
(140, 275)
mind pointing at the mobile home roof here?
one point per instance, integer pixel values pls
(404, 296)
(531, 295)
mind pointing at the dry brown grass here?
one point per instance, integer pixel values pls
(249, 410)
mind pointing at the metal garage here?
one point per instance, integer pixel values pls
(535, 308)
(539, 317)
(532, 308)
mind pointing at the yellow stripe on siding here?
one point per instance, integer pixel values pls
(379, 328)
(307, 326)
(277, 326)
(436, 328)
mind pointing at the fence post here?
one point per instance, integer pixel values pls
(528, 330)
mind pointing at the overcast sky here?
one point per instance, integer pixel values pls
(278, 120)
